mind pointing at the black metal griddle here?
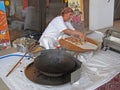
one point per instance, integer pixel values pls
(52, 67)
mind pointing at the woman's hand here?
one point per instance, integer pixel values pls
(82, 36)
(75, 33)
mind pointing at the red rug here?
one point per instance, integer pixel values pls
(113, 84)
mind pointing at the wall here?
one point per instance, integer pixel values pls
(101, 14)
(117, 10)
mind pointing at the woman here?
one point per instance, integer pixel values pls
(59, 25)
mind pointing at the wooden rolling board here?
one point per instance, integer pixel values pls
(75, 44)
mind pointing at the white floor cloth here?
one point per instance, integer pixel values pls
(96, 71)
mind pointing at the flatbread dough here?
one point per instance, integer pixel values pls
(76, 44)
(85, 45)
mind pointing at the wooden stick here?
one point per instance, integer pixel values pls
(16, 65)
(29, 49)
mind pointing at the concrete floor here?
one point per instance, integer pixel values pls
(3, 86)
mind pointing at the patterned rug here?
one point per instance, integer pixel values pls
(113, 84)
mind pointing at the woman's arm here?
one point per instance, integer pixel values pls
(75, 33)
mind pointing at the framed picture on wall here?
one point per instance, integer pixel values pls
(77, 6)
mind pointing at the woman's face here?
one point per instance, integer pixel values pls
(67, 16)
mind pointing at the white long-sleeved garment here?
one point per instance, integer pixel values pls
(53, 31)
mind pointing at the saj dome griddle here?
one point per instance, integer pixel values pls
(52, 67)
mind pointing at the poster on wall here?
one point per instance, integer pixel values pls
(4, 33)
(77, 6)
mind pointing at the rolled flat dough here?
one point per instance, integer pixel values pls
(85, 45)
